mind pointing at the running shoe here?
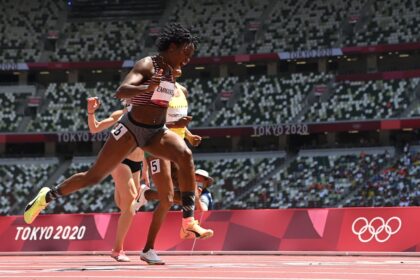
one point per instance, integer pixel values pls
(34, 207)
(151, 257)
(141, 200)
(120, 256)
(194, 230)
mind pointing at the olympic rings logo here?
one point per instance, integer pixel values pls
(377, 228)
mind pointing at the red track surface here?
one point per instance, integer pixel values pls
(212, 267)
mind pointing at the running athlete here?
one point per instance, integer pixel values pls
(126, 177)
(150, 85)
(165, 173)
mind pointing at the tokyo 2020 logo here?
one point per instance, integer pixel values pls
(377, 228)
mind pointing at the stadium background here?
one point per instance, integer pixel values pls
(301, 103)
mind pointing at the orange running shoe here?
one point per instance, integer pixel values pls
(194, 230)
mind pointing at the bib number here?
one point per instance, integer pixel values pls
(155, 166)
(118, 131)
(163, 93)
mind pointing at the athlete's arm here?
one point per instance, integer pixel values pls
(193, 139)
(131, 86)
(181, 123)
(96, 126)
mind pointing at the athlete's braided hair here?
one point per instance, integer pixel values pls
(175, 33)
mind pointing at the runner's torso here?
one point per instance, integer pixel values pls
(150, 107)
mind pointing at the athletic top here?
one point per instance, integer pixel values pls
(178, 108)
(162, 94)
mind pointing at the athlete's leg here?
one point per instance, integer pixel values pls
(112, 153)
(127, 192)
(152, 195)
(170, 146)
(160, 172)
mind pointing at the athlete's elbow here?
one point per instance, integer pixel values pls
(121, 92)
(93, 130)
(118, 93)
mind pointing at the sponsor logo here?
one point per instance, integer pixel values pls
(50, 232)
(377, 228)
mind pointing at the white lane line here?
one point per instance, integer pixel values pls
(172, 277)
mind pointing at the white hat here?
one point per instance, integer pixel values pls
(205, 174)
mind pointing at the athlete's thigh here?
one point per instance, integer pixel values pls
(167, 145)
(124, 186)
(160, 171)
(115, 149)
(136, 180)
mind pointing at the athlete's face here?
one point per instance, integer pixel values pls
(183, 53)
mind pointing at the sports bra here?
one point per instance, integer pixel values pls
(162, 94)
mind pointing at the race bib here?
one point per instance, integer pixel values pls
(174, 114)
(163, 93)
(155, 166)
(118, 131)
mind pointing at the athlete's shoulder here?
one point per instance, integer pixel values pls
(145, 62)
(184, 89)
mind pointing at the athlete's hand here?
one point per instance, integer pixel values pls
(194, 140)
(155, 80)
(93, 103)
(183, 122)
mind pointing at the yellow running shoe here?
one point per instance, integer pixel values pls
(194, 230)
(35, 206)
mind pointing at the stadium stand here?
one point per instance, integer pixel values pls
(117, 40)
(24, 26)
(317, 178)
(66, 106)
(364, 100)
(303, 25)
(268, 99)
(387, 26)
(259, 99)
(10, 115)
(396, 185)
(201, 96)
(224, 27)
(221, 24)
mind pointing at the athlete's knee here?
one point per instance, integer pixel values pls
(167, 200)
(130, 211)
(185, 158)
(127, 209)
